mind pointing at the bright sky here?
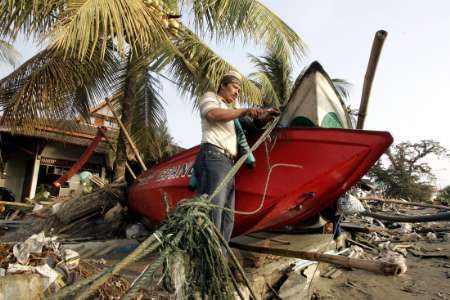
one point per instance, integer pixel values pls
(411, 87)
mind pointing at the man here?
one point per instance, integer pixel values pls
(218, 148)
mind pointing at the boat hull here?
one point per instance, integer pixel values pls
(298, 173)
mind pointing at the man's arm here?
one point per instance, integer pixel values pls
(225, 115)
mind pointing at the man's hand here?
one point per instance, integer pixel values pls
(254, 113)
(267, 116)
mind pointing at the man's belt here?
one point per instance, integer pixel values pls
(225, 152)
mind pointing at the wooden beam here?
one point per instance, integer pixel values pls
(127, 136)
(379, 267)
(397, 201)
(16, 204)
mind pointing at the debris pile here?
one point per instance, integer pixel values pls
(98, 214)
(385, 239)
(55, 265)
(33, 259)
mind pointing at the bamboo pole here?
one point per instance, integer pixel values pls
(396, 201)
(377, 45)
(379, 267)
(127, 136)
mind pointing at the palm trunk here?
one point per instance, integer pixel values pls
(128, 105)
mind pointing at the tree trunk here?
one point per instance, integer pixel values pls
(128, 105)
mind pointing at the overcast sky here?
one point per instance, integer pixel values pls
(412, 84)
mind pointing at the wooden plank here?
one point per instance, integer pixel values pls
(379, 267)
(397, 201)
(16, 204)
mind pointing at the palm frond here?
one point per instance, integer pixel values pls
(29, 17)
(8, 53)
(173, 5)
(149, 127)
(157, 143)
(49, 87)
(251, 20)
(275, 71)
(148, 110)
(91, 23)
(198, 69)
(343, 87)
(269, 94)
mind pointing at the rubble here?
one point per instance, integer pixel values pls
(32, 257)
(55, 266)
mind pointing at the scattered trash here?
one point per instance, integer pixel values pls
(349, 204)
(431, 236)
(83, 226)
(136, 231)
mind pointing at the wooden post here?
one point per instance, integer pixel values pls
(114, 149)
(377, 45)
(395, 201)
(127, 136)
(34, 175)
(379, 267)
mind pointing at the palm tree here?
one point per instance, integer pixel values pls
(98, 47)
(274, 78)
(8, 53)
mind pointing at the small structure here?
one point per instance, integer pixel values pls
(35, 159)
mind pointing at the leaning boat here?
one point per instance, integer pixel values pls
(311, 159)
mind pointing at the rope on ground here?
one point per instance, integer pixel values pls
(145, 277)
(328, 244)
(233, 258)
(93, 283)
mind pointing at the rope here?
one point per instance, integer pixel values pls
(232, 256)
(318, 263)
(94, 282)
(242, 159)
(235, 169)
(263, 198)
(146, 275)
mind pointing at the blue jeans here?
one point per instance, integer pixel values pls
(210, 167)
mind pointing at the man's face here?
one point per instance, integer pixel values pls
(230, 92)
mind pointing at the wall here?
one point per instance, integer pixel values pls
(15, 173)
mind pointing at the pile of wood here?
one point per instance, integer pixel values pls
(97, 215)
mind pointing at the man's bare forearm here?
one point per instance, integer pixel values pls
(225, 115)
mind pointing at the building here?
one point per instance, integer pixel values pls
(34, 159)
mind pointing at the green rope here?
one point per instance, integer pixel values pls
(94, 282)
(234, 259)
(193, 216)
(146, 276)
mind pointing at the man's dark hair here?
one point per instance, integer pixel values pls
(226, 80)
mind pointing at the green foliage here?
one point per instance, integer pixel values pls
(343, 87)
(404, 174)
(8, 53)
(96, 48)
(443, 195)
(273, 78)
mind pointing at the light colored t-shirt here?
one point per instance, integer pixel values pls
(221, 134)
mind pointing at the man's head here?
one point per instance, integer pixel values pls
(230, 86)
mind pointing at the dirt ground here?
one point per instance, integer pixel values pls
(426, 278)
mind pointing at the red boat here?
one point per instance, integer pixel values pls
(298, 173)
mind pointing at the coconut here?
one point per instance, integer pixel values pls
(174, 24)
